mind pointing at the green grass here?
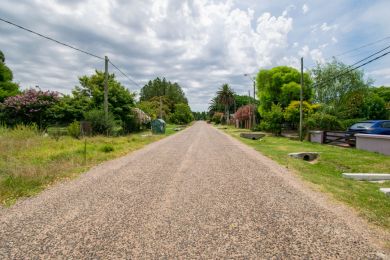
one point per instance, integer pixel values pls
(326, 172)
(30, 162)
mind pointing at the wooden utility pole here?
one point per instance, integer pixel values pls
(160, 108)
(106, 87)
(250, 110)
(300, 104)
(254, 102)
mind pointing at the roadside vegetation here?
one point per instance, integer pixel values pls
(334, 98)
(30, 160)
(325, 173)
(42, 132)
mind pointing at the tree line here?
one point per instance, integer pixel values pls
(47, 108)
(334, 97)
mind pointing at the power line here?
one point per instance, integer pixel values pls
(349, 69)
(51, 39)
(370, 56)
(361, 47)
(124, 74)
(69, 46)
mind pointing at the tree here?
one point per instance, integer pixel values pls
(30, 106)
(334, 81)
(243, 100)
(272, 120)
(215, 106)
(200, 115)
(2, 57)
(383, 92)
(182, 114)
(292, 112)
(120, 100)
(279, 86)
(7, 87)
(374, 107)
(158, 87)
(152, 107)
(225, 96)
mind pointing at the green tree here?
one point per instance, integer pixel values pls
(374, 107)
(152, 107)
(292, 112)
(383, 92)
(120, 100)
(161, 87)
(2, 57)
(182, 114)
(225, 96)
(7, 87)
(270, 83)
(272, 120)
(335, 83)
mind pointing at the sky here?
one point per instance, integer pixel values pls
(200, 44)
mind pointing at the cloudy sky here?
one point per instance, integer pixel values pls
(200, 44)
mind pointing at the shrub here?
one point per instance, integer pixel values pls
(272, 120)
(182, 114)
(217, 117)
(74, 129)
(292, 112)
(29, 107)
(99, 123)
(321, 121)
(107, 148)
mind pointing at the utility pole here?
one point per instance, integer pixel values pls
(106, 87)
(254, 101)
(250, 110)
(161, 108)
(300, 104)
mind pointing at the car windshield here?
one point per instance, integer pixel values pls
(365, 125)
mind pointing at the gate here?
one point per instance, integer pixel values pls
(335, 138)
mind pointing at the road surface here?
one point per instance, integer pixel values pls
(196, 194)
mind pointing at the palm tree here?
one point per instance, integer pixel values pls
(225, 96)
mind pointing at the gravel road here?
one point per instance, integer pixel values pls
(196, 194)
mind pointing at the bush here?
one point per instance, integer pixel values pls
(272, 120)
(107, 148)
(321, 121)
(182, 114)
(217, 117)
(74, 129)
(99, 123)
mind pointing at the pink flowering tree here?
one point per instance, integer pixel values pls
(29, 107)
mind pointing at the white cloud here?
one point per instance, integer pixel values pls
(305, 8)
(325, 27)
(200, 43)
(314, 54)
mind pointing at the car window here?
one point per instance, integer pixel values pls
(386, 124)
(364, 125)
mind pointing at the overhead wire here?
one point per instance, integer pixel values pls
(70, 46)
(51, 39)
(351, 68)
(360, 47)
(124, 74)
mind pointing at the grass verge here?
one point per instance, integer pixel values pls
(29, 161)
(326, 172)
